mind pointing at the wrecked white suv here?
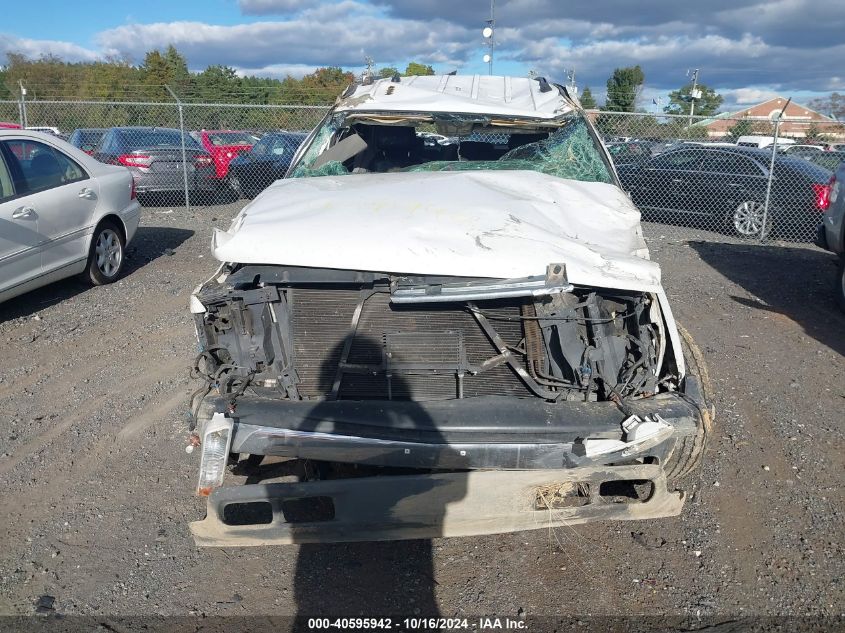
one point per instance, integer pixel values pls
(445, 320)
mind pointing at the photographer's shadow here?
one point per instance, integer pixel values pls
(377, 578)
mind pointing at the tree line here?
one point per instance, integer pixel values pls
(119, 80)
(50, 77)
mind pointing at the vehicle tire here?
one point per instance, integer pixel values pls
(105, 260)
(688, 452)
(840, 284)
(746, 220)
(235, 186)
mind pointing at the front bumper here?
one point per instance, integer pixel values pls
(474, 433)
(500, 454)
(433, 505)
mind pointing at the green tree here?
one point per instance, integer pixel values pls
(321, 86)
(156, 75)
(218, 83)
(707, 105)
(832, 105)
(587, 100)
(5, 93)
(415, 68)
(169, 68)
(387, 71)
(813, 133)
(745, 127)
(623, 89)
(177, 66)
(740, 128)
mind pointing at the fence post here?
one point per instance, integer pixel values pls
(184, 159)
(778, 117)
(24, 121)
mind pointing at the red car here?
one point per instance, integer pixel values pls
(9, 126)
(224, 145)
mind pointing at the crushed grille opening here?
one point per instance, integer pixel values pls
(308, 509)
(253, 513)
(627, 491)
(568, 494)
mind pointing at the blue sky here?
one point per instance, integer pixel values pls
(746, 49)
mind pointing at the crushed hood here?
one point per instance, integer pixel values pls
(489, 224)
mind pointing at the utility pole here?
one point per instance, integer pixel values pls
(692, 94)
(488, 33)
(184, 157)
(369, 75)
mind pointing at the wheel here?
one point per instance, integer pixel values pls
(688, 452)
(105, 261)
(746, 220)
(840, 283)
(235, 186)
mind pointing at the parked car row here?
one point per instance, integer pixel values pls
(71, 207)
(154, 156)
(726, 187)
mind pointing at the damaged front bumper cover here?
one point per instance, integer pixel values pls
(433, 505)
(506, 453)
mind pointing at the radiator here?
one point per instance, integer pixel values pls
(423, 342)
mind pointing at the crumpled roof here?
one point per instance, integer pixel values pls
(450, 94)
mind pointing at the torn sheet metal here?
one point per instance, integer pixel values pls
(502, 225)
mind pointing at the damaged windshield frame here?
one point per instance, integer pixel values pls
(566, 147)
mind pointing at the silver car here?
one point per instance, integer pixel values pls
(62, 213)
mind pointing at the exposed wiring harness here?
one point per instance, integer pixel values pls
(219, 378)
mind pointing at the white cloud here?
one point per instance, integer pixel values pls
(310, 39)
(748, 96)
(277, 71)
(37, 48)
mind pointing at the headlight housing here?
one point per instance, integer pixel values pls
(216, 442)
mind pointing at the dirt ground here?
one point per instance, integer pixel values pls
(97, 489)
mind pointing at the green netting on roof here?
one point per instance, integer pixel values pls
(568, 153)
(318, 146)
(331, 168)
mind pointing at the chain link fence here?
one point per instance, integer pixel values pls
(753, 179)
(717, 178)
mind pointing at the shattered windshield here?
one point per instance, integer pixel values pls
(563, 148)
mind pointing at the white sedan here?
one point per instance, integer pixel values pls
(62, 213)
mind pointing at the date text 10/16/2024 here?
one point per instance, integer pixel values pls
(417, 623)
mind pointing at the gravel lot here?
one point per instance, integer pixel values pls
(97, 488)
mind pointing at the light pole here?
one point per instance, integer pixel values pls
(694, 94)
(488, 32)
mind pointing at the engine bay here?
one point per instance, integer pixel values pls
(306, 334)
